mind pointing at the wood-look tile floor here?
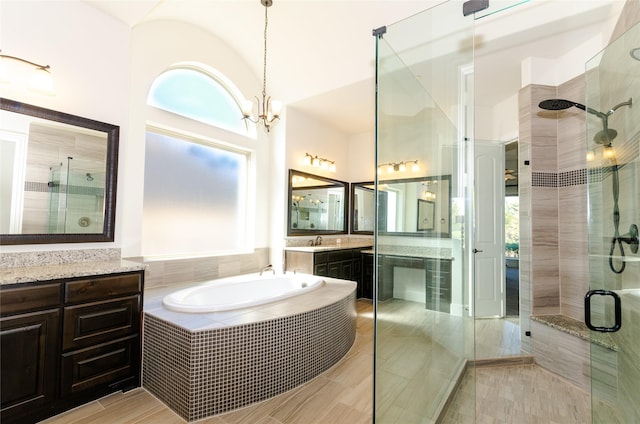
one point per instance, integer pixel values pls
(344, 395)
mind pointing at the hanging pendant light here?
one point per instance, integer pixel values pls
(268, 110)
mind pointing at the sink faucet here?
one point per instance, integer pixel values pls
(318, 241)
(268, 268)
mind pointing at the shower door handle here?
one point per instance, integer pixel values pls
(617, 310)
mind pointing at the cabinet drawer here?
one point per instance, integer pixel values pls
(321, 270)
(100, 365)
(320, 258)
(97, 288)
(98, 322)
(339, 255)
(28, 299)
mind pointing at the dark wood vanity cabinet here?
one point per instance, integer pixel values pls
(69, 342)
(29, 334)
(345, 264)
(437, 278)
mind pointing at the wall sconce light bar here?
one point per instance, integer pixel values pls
(323, 163)
(41, 79)
(399, 166)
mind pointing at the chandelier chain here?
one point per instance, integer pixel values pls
(264, 70)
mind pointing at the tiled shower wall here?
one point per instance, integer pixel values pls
(553, 201)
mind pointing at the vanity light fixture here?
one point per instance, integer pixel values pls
(268, 110)
(399, 167)
(429, 195)
(322, 163)
(41, 79)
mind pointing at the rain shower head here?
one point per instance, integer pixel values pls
(562, 104)
(559, 104)
(607, 134)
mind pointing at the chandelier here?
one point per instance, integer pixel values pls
(268, 110)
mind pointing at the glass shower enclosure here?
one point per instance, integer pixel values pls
(612, 306)
(76, 197)
(423, 316)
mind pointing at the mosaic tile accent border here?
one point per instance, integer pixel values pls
(63, 188)
(570, 178)
(204, 373)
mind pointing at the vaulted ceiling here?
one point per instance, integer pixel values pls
(321, 53)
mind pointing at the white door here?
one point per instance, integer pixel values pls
(489, 230)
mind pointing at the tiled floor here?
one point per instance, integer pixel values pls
(344, 394)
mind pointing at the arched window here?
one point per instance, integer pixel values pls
(201, 93)
(196, 186)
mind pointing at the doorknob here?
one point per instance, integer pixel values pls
(477, 251)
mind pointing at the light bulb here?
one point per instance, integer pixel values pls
(332, 167)
(276, 108)
(590, 156)
(247, 108)
(415, 167)
(307, 159)
(402, 167)
(390, 169)
(608, 152)
(42, 81)
(316, 161)
(324, 164)
(379, 170)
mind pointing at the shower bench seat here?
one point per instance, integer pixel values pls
(564, 346)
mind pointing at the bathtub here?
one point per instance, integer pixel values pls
(240, 292)
(205, 364)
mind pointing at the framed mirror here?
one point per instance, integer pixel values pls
(363, 204)
(58, 176)
(416, 206)
(317, 205)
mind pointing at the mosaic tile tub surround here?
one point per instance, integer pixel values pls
(206, 364)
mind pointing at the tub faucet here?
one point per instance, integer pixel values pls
(268, 268)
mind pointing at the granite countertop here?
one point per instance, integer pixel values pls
(29, 274)
(430, 253)
(328, 247)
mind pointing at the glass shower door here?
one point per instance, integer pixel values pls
(423, 323)
(423, 301)
(612, 306)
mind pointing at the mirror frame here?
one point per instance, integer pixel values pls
(422, 233)
(113, 138)
(352, 211)
(296, 232)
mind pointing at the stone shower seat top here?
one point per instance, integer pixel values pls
(576, 328)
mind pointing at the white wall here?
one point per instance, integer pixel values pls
(362, 157)
(89, 55)
(307, 135)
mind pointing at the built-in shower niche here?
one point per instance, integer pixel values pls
(76, 197)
